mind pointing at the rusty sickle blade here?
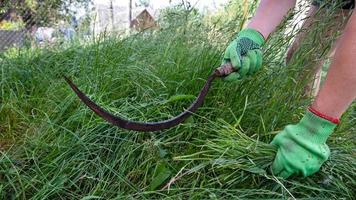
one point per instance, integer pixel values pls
(152, 126)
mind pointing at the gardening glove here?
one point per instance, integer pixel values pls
(301, 147)
(244, 53)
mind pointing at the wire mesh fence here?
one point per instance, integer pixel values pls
(33, 23)
(36, 22)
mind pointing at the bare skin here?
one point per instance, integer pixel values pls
(339, 89)
(340, 18)
(269, 15)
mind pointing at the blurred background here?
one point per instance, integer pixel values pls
(36, 22)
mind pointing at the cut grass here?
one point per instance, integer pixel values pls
(61, 150)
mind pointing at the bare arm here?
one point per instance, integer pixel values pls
(339, 89)
(269, 15)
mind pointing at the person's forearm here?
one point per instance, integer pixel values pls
(269, 15)
(339, 89)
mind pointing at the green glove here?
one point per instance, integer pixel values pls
(244, 53)
(301, 147)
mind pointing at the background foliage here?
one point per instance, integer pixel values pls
(37, 12)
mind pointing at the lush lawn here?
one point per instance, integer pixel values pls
(54, 147)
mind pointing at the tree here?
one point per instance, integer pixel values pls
(130, 11)
(39, 12)
(111, 8)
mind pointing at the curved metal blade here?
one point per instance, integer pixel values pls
(143, 126)
(151, 126)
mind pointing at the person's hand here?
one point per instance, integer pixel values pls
(244, 53)
(301, 147)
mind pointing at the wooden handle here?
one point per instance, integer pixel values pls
(225, 70)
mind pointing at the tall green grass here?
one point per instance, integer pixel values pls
(53, 147)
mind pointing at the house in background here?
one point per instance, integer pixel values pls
(115, 16)
(143, 21)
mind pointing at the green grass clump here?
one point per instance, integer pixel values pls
(53, 147)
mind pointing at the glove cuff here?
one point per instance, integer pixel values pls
(253, 35)
(318, 127)
(331, 119)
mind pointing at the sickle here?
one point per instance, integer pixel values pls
(152, 126)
